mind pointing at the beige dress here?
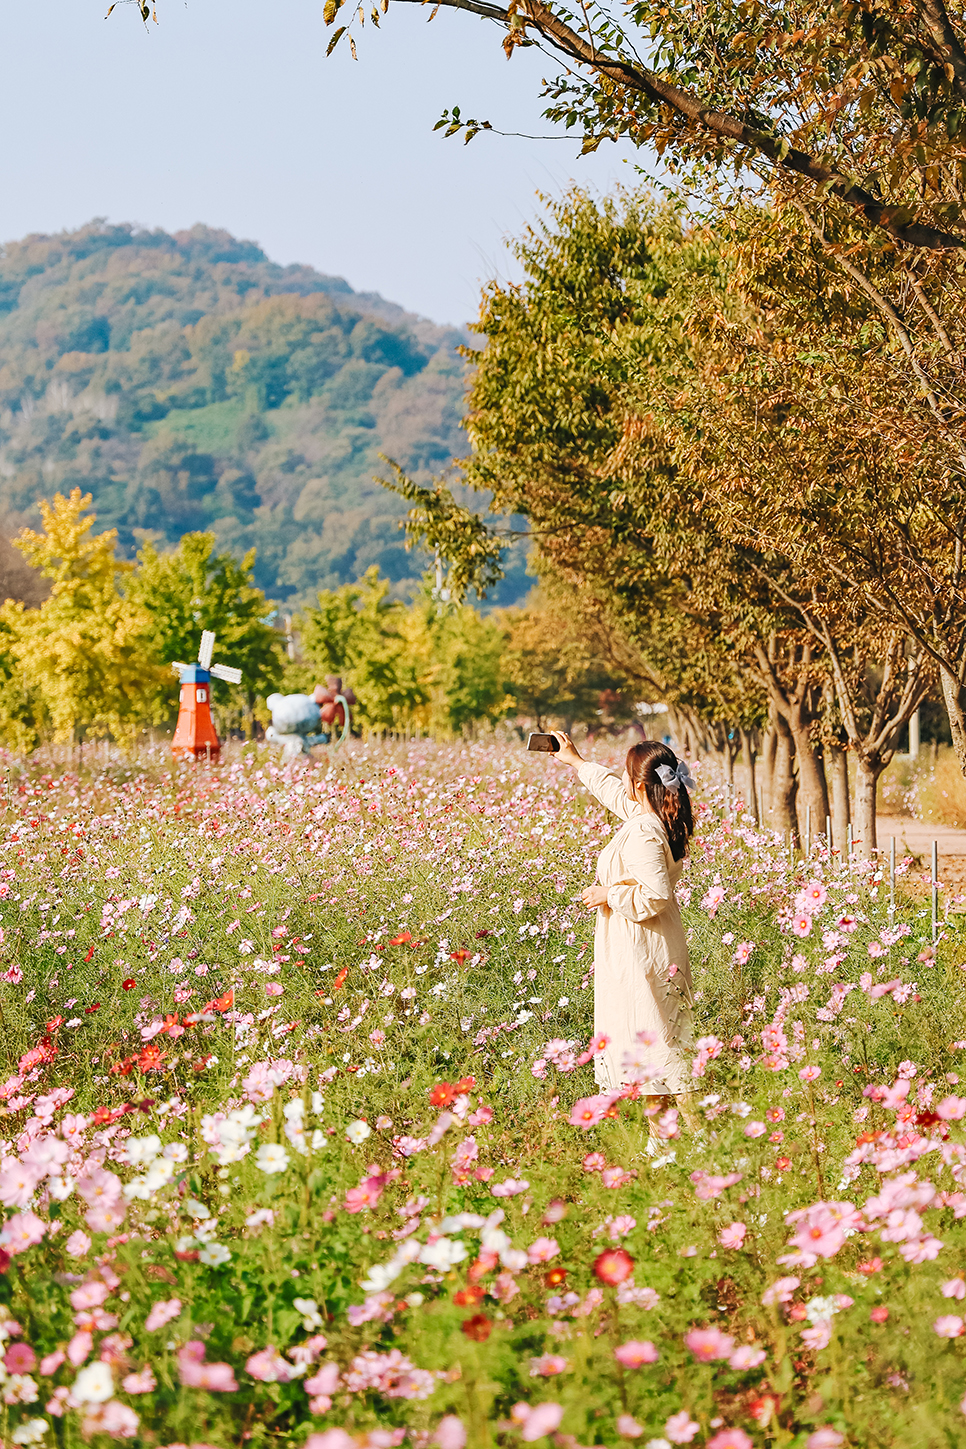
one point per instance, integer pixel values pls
(638, 938)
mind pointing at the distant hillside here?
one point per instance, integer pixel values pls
(190, 383)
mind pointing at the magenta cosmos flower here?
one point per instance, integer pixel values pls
(613, 1266)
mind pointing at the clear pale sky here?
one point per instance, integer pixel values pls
(228, 113)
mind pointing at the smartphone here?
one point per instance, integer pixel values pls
(547, 743)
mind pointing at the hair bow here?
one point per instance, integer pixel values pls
(674, 779)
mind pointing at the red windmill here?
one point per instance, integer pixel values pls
(195, 737)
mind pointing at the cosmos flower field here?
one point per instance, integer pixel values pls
(301, 1144)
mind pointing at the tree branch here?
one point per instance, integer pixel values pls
(686, 104)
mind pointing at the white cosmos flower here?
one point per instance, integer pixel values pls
(358, 1131)
(60, 1188)
(137, 1188)
(142, 1150)
(175, 1152)
(196, 1209)
(271, 1157)
(93, 1385)
(319, 1140)
(159, 1174)
(32, 1432)
(443, 1254)
(214, 1254)
(309, 1309)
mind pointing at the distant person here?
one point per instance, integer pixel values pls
(642, 975)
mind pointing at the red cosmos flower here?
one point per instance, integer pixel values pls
(613, 1265)
(469, 1297)
(54, 1023)
(339, 981)
(478, 1328)
(555, 1277)
(4, 1260)
(783, 1163)
(129, 983)
(89, 1010)
(442, 1094)
(482, 1265)
(460, 956)
(402, 939)
(150, 1058)
(465, 1084)
(89, 954)
(872, 1265)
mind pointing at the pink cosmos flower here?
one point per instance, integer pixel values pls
(161, 1313)
(755, 1129)
(730, 1439)
(951, 1109)
(749, 1356)
(547, 1365)
(781, 1291)
(98, 1187)
(106, 1216)
(628, 1427)
(18, 1183)
(827, 1438)
(681, 1428)
(269, 1367)
(450, 1433)
(79, 1347)
(743, 952)
(733, 1236)
(949, 1325)
(49, 1365)
(588, 1111)
(113, 1418)
(819, 1336)
(141, 1383)
(594, 1162)
(22, 1231)
(20, 1359)
(802, 924)
(542, 1419)
(810, 1074)
(89, 1295)
(543, 1250)
(879, 1314)
(954, 1288)
(325, 1381)
(709, 1344)
(218, 1378)
(636, 1353)
(77, 1244)
(330, 1439)
(821, 1230)
(273, 988)
(814, 896)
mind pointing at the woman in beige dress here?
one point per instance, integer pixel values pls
(642, 977)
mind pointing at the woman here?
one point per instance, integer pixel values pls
(642, 978)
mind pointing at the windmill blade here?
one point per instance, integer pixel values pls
(177, 666)
(206, 649)
(227, 673)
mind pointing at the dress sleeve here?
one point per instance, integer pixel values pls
(607, 787)
(646, 890)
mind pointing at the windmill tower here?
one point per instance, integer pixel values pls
(195, 737)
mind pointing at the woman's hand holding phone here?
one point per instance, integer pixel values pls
(567, 753)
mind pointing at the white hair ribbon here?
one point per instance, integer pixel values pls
(674, 779)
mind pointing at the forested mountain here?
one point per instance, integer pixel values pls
(189, 383)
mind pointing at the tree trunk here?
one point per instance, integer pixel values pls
(867, 772)
(784, 784)
(811, 775)
(954, 697)
(841, 814)
(766, 767)
(748, 755)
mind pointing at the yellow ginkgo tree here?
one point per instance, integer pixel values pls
(81, 659)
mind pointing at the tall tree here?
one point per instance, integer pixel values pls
(81, 657)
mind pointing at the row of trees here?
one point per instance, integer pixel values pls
(717, 434)
(90, 654)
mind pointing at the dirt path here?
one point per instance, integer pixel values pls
(915, 838)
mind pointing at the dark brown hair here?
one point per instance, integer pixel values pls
(672, 807)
